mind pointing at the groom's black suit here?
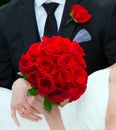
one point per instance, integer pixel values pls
(18, 30)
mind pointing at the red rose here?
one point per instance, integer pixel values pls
(58, 95)
(79, 14)
(52, 47)
(77, 93)
(32, 78)
(66, 61)
(46, 64)
(79, 74)
(63, 78)
(45, 85)
(78, 54)
(27, 64)
(34, 50)
(65, 45)
(58, 45)
(77, 48)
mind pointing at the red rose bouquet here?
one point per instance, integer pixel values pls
(55, 68)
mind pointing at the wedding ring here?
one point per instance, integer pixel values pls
(23, 111)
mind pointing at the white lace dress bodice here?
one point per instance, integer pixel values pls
(87, 113)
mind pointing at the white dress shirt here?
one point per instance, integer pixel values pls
(41, 14)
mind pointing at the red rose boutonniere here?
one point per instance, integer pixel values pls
(79, 14)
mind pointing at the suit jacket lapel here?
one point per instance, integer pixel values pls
(68, 30)
(28, 24)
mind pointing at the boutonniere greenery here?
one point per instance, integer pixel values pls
(79, 14)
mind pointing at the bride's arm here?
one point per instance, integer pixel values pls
(111, 111)
(53, 118)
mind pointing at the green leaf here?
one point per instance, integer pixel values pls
(19, 73)
(75, 20)
(22, 75)
(47, 104)
(71, 14)
(57, 103)
(32, 91)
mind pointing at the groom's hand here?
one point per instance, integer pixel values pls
(19, 102)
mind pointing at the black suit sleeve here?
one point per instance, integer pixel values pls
(110, 37)
(6, 67)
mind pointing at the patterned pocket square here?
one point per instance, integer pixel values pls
(82, 36)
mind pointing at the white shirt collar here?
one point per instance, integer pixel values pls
(38, 3)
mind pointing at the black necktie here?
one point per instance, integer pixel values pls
(50, 27)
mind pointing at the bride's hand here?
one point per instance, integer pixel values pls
(53, 118)
(64, 102)
(20, 103)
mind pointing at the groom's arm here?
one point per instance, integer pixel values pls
(109, 46)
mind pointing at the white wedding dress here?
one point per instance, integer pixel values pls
(87, 113)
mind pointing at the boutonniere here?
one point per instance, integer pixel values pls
(79, 14)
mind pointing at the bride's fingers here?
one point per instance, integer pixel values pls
(29, 104)
(27, 115)
(13, 115)
(31, 109)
